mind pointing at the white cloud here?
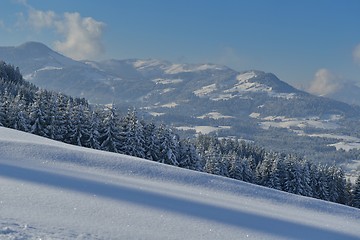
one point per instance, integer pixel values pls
(40, 19)
(356, 54)
(81, 37)
(325, 82)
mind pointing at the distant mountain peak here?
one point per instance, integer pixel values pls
(34, 46)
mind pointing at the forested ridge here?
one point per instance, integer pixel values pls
(63, 118)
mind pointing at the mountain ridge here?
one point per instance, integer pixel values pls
(201, 98)
(44, 60)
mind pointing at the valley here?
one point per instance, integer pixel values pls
(203, 98)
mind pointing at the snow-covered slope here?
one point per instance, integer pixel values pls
(186, 96)
(51, 190)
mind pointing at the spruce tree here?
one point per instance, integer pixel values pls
(248, 174)
(236, 170)
(356, 193)
(151, 142)
(94, 135)
(188, 156)
(38, 116)
(109, 134)
(132, 134)
(168, 146)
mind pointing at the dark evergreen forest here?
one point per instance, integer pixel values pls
(57, 116)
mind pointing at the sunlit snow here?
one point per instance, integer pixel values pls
(214, 115)
(205, 90)
(298, 124)
(51, 190)
(166, 81)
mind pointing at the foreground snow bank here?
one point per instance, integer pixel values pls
(50, 190)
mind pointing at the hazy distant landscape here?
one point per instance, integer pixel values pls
(205, 98)
(137, 120)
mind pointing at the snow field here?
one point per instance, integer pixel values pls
(51, 190)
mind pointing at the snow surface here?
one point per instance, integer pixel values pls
(166, 81)
(205, 90)
(284, 122)
(245, 85)
(51, 190)
(181, 68)
(169, 105)
(176, 68)
(203, 129)
(214, 115)
(30, 76)
(345, 142)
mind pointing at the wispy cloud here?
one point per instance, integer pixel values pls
(356, 54)
(325, 82)
(41, 19)
(83, 36)
(80, 37)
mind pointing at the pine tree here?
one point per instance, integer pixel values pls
(236, 170)
(248, 174)
(314, 184)
(53, 112)
(306, 178)
(277, 174)
(224, 165)
(321, 187)
(293, 180)
(81, 126)
(5, 109)
(151, 142)
(69, 121)
(356, 194)
(132, 135)
(21, 119)
(168, 146)
(189, 158)
(336, 184)
(38, 121)
(94, 135)
(213, 159)
(348, 199)
(264, 169)
(109, 134)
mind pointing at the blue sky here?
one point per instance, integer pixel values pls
(302, 42)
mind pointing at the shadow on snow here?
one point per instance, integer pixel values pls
(235, 218)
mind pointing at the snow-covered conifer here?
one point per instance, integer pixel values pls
(356, 194)
(109, 134)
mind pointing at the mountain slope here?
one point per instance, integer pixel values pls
(203, 98)
(51, 70)
(134, 80)
(347, 92)
(53, 190)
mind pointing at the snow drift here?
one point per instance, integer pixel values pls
(51, 190)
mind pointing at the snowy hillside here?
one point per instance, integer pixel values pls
(203, 98)
(50, 190)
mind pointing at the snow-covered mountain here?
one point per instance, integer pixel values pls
(135, 80)
(51, 70)
(51, 190)
(200, 98)
(348, 92)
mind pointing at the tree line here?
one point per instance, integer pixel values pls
(71, 120)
